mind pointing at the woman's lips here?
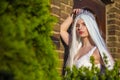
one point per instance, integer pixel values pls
(81, 32)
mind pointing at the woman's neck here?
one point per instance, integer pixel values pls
(87, 42)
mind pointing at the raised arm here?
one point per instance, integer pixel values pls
(64, 27)
(66, 24)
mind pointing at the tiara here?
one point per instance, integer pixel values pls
(86, 12)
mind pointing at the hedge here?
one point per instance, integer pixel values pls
(26, 49)
(93, 73)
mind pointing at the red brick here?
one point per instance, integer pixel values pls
(61, 55)
(113, 9)
(69, 10)
(117, 5)
(61, 46)
(71, 2)
(113, 50)
(113, 27)
(64, 15)
(116, 55)
(118, 50)
(119, 37)
(111, 44)
(56, 28)
(54, 2)
(55, 10)
(111, 32)
(111, 21)
(63, 7)
(56, 40)
(65, 2)
(117, 22)
(117, 32)
(112, 38)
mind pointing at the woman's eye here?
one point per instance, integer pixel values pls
(77, 25)
(84, 24)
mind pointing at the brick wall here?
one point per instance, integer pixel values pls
(61, 9)
(113, 28)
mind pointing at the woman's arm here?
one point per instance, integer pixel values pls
(66, 24)
(64, 27)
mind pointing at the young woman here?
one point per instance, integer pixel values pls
(85, 41)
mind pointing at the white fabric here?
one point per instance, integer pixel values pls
(85, 60)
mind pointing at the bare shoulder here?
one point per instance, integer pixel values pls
(96, 53)
(97, 56)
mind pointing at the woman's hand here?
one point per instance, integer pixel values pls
(76, 11)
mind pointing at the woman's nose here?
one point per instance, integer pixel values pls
(80, 27)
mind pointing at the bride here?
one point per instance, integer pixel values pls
(85, 41)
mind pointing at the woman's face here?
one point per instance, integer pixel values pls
(81, 29)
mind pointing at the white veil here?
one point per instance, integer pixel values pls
(93, 30)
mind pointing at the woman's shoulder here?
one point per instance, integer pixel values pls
(97, 56)
(96, 53)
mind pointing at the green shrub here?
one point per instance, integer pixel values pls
(85, 73)
(26, 50)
